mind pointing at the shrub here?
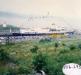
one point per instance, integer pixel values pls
(45, 40)
(23, 70)
(39, 62)
(56, 45)
(72, 47)
(79, 45)
(4, 56)
(64, 50)
(63, 44)
(34, 49)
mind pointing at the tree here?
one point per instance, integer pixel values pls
(56, 45)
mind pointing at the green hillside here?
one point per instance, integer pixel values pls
(30, 56)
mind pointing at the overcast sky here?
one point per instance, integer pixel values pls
(68, 9)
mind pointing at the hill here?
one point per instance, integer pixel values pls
(48, 55)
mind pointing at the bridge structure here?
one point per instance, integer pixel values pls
(23, 34)
(16, 37)
(31, 36)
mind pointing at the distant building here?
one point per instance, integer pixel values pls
(8, 29)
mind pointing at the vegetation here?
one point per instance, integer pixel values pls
(34, 49)
(39, 62)
(31, 56)
(56, 45)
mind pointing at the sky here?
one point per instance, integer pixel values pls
(70, 10)
(64, 8)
